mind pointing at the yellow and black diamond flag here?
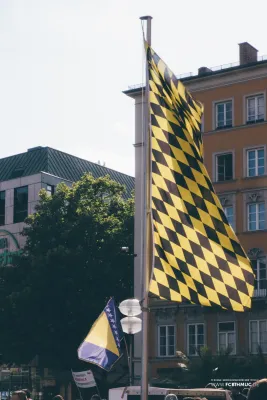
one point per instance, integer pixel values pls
(197, 256)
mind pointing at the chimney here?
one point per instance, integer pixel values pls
(247, 53)
(203, 70)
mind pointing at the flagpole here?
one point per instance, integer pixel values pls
(146, 259)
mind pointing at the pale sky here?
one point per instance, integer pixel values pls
(65, 63)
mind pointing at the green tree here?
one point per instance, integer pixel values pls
(71, 265)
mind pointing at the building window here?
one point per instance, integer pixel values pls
(255, 109)
(2, 207)
(258, 336)
(224, 167)
(224, 115)
(256, 216)
(227, 337)
(255, 162)
(50, 190)
(259, 268)
(195, 338)
(20, 204)
(229, 212)
(166, 335)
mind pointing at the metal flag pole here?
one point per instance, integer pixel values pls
(146, 258)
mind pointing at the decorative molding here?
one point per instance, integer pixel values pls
(164, 314)
(255, 253)
(224, 201)
(254, 196)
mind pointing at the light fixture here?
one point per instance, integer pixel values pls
(130, 307)
(131, 325)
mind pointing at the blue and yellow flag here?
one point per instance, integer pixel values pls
(102, 345)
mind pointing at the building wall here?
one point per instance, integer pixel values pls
(35, 183)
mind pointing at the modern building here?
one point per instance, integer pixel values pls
(235, 153)
(22, 176)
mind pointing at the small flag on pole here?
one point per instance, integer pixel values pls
(197, 256)
(102, 345)
(84, 379)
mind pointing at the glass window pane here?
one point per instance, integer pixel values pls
(251, 155)
(2, 207)
(200, 329)
(226, 326)
(162, 341)
(231, 339)
(192, 329)
(222, 341)
(192, 340)
(162, 351)
(162, 330)
(261, 101)
(253, 326)
(171, 350)
(229, 106)
(200, 340)
(20, 204)
(170, 330)
(220, 108)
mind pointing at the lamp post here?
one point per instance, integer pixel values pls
(131, 325)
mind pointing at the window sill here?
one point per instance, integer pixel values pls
(233, 128)
(254, 177)
(166, 357)
(224, 182)
(256, 121)
(248, 232)
(221, 128)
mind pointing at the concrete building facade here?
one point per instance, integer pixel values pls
(234, 130)
(22, 176)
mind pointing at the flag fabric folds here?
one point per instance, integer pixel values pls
(197, 256)
(102, 345)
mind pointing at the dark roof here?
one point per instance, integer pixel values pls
(55, 162)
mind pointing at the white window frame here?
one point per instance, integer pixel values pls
(225, 126)
(257, 161)
(257, 278)
(218, 334)
(224, 209)
(258, 323)
(167, 344)
(187, 337)
(256, 96)
(257, 216)
(216, 165)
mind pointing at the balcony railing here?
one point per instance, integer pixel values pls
(260, 293)
(213, 69)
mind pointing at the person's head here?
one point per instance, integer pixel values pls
(95, 397)
(28, 393)
(19, 395)
(58, 397)
(258, 391)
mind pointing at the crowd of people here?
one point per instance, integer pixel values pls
(258, 391)
(25, 394)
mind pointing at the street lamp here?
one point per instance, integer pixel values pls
(131, 325)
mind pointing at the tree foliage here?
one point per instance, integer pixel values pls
(72, 263)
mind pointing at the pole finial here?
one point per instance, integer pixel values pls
(146, 17)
